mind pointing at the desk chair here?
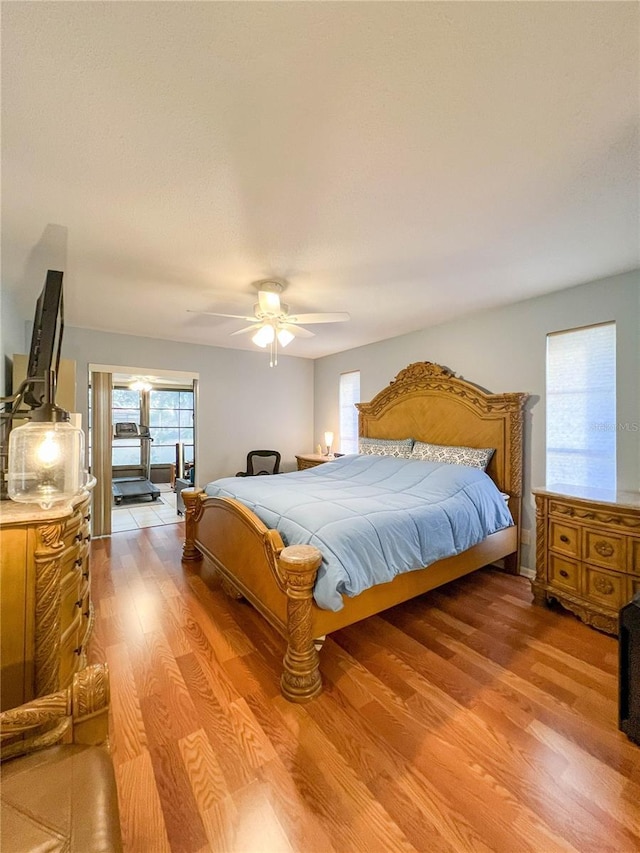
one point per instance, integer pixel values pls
(261, 462)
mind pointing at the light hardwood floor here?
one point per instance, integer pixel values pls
(466, 720)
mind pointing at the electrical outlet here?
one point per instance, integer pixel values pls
(525, 536)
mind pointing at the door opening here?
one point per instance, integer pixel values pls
(151, 452)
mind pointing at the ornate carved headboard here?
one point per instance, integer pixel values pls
(427, 402)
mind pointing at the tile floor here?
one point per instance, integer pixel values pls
(151, 514)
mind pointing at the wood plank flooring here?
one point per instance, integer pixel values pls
(465, 720)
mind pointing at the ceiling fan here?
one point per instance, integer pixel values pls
(272, 323)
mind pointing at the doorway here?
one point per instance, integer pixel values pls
(142, 438)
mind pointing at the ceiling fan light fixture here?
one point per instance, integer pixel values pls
(284, 337)
(140, 383)
(264, 336)
(269, 302)
(272, 325)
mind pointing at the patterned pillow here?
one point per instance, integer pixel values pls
(400, 448)
(474, 457)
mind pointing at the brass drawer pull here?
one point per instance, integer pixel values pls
(564, 538)
(604, 586)
(87, 613)
(87, 517)
(563, 573)
(85, 575)
(87, 538)
(79, 603)
(78, 651)
(77, 537)
(605, 549)
(78, 562)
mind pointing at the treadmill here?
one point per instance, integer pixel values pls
(132, 488)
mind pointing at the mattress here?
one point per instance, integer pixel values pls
(373, 517)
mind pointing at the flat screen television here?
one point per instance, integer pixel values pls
(44, 356)
(46, 339)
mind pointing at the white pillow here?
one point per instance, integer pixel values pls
(400, 448)
(473, 457)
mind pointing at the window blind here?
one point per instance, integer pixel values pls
(581, 407)
(349, 395)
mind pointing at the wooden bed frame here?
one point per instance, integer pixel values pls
(425, 402)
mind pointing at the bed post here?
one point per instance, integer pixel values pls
(193, 512)
(298, 566)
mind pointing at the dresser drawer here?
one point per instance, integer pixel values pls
(77, 533)
(564, 538)
(86, 627)
(70, 651)
(604, 549)
(74, 559)
(564, 573)
(634, 556)
(608, 588)
(70, 599)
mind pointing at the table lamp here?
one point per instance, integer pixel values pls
(328, 440)
(46, 457)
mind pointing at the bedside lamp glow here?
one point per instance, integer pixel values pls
(328, 440)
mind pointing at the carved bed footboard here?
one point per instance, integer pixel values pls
(253, 563)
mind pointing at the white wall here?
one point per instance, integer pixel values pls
(504, 350)
(243, 403)
(13, 337)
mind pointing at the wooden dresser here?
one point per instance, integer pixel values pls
(310, 460)
(45, 607)
(587, 552)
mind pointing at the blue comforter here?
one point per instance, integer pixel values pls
(373, 517)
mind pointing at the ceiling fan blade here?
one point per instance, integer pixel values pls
(297, 331)
(216, 314)
(336, 317)
(247, 329)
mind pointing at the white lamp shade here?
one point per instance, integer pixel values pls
(328, 438)
(285, 337)
(264, 336)
(46, 463)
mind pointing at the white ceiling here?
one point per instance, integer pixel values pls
(404, 162)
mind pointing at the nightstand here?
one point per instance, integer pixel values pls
(310, 460)
(587, 552)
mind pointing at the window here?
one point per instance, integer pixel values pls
(581, 407)
(170, 421)
(349, 395)
(125, 408)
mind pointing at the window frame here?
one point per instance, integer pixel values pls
(121, 444)
(591, 431)
(154, 445)
(348, 441)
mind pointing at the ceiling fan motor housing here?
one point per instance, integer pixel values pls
(268, 306)
(279, 314)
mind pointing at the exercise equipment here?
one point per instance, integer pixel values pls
(132, 488)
